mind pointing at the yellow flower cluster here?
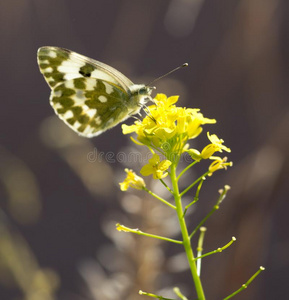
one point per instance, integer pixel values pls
(168, 127)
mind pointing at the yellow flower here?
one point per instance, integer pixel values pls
(218, 164)
(216, 145)
(123, 228)
(162, 100)
(156, 167)
(132, 180)
(195, 154)
(195, 120)
(132, 128)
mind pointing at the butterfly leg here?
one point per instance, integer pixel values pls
(147, 112)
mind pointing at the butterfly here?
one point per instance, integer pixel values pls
(88, 95)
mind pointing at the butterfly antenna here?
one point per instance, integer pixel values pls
(170, 72)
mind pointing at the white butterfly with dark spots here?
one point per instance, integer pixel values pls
(89, 96)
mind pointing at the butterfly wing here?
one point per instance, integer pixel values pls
(59, 65)
(89, 96)
(89, 106)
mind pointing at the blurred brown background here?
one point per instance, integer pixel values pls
(59, 203)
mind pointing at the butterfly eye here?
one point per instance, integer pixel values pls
(143, 91)
(146, 90)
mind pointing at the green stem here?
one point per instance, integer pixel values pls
(179, 293)
(200, 248)
(186, 238)
(204, 220)
(193, 184)
(120, 227)
(156, 149)
(196, 198)
(159, 198)
(245, 285)
(153, 295)
(217, 250)
(215, 207)
(166, 186)
(186, 169)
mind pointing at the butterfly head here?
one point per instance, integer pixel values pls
(142, 93)
(145, 93)
(141, 89)
(146, 90)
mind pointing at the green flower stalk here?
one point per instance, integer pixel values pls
(166, 131)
